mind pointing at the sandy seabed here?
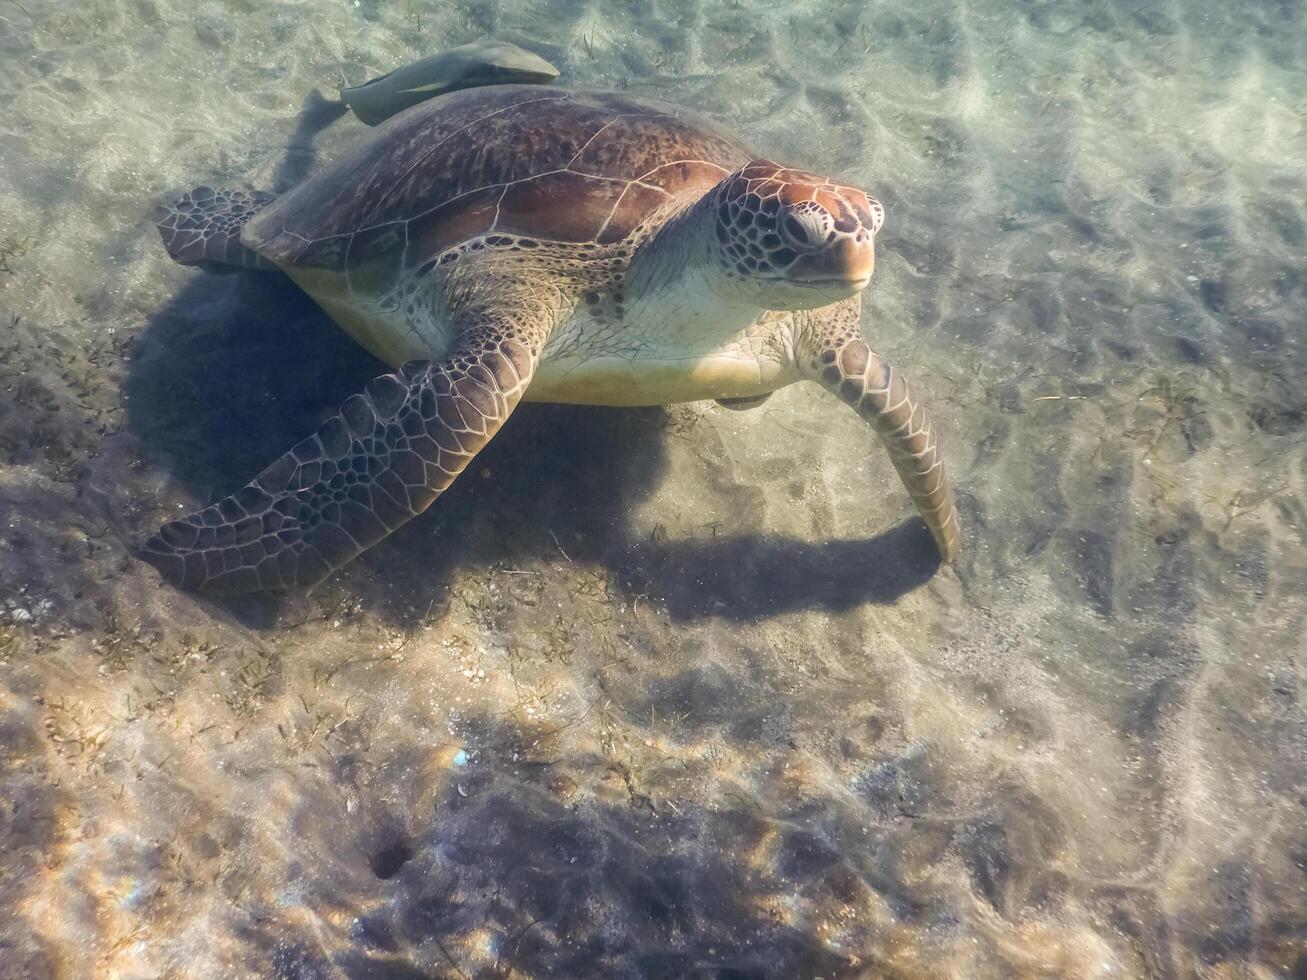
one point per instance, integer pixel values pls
(681, 692)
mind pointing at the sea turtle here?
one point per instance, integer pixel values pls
(513, 243)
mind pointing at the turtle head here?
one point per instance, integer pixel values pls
(792, 240)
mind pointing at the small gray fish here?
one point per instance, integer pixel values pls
(479, 63)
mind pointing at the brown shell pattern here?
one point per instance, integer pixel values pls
(552, 164)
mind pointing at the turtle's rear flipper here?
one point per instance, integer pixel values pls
(204, 228)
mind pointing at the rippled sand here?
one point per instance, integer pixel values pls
(680, 693)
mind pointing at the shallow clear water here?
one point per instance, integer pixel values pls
(679, 692)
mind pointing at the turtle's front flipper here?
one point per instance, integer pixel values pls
(381, 461)
(832, 352)
(204, 226)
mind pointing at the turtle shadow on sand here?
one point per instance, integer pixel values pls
(238, 368)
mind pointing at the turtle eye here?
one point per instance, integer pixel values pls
(806, 227)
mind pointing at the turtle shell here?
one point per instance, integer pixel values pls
(550, 164)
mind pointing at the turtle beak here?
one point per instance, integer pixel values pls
(845, 266)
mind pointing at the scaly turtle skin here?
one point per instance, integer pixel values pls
(515, 243)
